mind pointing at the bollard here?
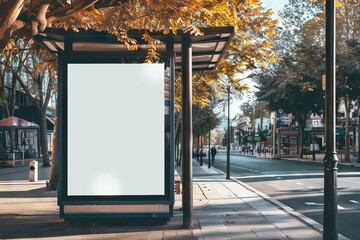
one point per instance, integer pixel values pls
(33, 171)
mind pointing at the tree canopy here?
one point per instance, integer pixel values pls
(251, 47)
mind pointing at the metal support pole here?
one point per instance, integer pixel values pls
(228, 137)
(253, 132)
(274, 137)
(187, 184)
(330, 159)
(209, 153)
(201, 151)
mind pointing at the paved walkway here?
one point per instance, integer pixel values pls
(223, 209)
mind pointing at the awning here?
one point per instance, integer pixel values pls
(207, 50)
(51, 120)
(288, 132)
(16, 122)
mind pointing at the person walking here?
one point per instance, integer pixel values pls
(213, 153)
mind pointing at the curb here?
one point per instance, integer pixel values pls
(350, 164)
(300, 217)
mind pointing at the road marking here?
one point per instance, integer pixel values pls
(299, 183)
(314, 204)
(321, 204)
(288, 180)
(353, 201)
(311, 187)
(279, 178)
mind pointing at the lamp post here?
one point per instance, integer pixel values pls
(228, 136)
(228, 88)
(274, 135)
(209, 151)
(330, 159)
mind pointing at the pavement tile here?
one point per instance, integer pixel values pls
(223, 209)
(214, 235)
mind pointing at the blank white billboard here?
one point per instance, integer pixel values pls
(115, 129)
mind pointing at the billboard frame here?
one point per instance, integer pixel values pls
(65, 58)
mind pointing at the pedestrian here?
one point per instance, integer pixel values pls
(213, 153)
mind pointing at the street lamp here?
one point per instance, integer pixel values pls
(228, 88)
(330, 159)
(274, 135)
(228, 136)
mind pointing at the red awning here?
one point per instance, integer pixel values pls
(16, 122)
(288, 131)
(51, 120)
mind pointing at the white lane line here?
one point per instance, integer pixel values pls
(311, 187)
(353, 201)
(299, 183)
(279, 178)
(288, 180)
(314, 204)
(321, 204)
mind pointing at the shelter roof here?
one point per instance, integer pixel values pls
(16, 122)
(207, 49)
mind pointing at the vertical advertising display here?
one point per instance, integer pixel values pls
(115, 129)
(115, 137)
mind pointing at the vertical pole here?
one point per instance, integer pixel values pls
(186, 71)
(201, 151)
(261, 127)
(209, 161)
(228, 137)
(274, 136)
(253, 132)
(330, 159)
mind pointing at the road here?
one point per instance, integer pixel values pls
(300, 185)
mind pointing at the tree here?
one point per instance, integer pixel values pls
(203, 120)
(302, 44)
(252, 44)
(35, 72)
(6, 63)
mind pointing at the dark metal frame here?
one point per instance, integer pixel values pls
(64, 59)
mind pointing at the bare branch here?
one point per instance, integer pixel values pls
(40, 21)
(10, 9)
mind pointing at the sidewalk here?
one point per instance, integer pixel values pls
(223, 209)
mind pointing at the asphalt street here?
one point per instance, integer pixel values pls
(300, 185)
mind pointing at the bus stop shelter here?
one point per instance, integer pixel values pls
(93, 66)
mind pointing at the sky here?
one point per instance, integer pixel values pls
(276, 6)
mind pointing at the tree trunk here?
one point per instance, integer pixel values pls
(302, 121)
(2, 92)
(347, 131)
(43, 139)
(54, 162)
(13, 98)
(358, 136)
